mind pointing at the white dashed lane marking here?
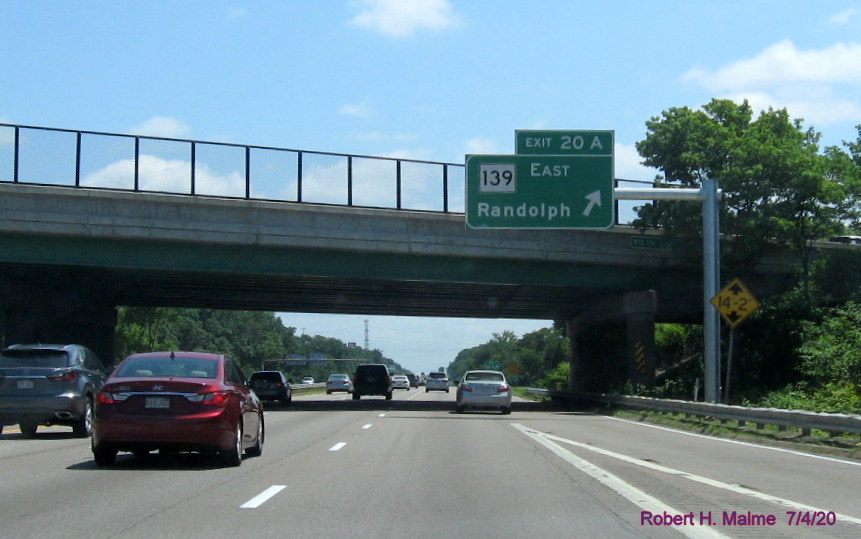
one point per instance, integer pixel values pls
(263, 497)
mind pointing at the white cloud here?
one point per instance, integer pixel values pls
(400, 18)
(166, 175)
(378, 136)
(480, 146)
(234, 13)
(822, 109)
(161, 126)
(782, 76)
(844, 17)
(782, 63)
(628, 164)
(356, 110)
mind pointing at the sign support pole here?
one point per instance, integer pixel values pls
(711, 279)
(709, 195)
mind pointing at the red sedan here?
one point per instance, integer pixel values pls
(177, 401)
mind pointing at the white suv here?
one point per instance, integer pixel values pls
(437, 381)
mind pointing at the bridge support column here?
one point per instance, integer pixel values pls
(41, 314)
(613, 344)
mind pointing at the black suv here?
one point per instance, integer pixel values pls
(372, 379)
(271, 386)
(49, 384)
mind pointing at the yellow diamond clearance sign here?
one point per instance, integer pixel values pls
(735, 302)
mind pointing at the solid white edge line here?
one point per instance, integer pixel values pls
(338, 446)
(263, 497)
(738, 489)
(641, 499)
(738, 442)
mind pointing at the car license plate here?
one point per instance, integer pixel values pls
(25, 384)
(157, 402)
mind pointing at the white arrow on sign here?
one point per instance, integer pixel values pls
(593, 198)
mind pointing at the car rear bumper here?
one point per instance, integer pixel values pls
(59, 409)
(466, 399)
(199, 431)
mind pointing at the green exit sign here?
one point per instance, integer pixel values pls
(539, 191)
(559, 142)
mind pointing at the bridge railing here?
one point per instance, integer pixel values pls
(90, 159)
(96, 160)
(834, 424)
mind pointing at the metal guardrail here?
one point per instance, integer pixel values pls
(835, 424)
(97, 160)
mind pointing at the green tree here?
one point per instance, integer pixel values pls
(830, 349)
(777, 186)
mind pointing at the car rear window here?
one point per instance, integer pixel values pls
(272, 376)
(48, 359)
(484, 377)
(436, 375)
(180, 367)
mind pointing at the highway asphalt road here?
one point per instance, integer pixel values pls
(411, 467)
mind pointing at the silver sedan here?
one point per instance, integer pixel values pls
(484, 389)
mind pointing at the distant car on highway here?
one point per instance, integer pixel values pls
(855, 240)
(400, 381)
(49, 384)
(271, 386)
(307, 380)
(372, 379)
(414, 380)
(339, 382)
(483, 389)
(177, 401)
(437, 381)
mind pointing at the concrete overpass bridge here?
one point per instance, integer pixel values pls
(71, 251)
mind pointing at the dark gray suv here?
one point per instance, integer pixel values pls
(372, 379)
(49, 384)
(271, 386)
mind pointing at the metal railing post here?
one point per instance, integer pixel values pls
(193, 167)
(248, 172)
(137, 163)
(349, 180)
(399, 184)
(78, 159)
(299, 178)
(16, 151)
(445, 188)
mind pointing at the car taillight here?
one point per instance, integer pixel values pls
(503, 389)
(217, 398)
(103, 397)
(69, 376)
(465, 387)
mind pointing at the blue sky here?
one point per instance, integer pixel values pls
(423, 79)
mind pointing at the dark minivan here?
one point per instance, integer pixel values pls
(372, 379)
(49, 384)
